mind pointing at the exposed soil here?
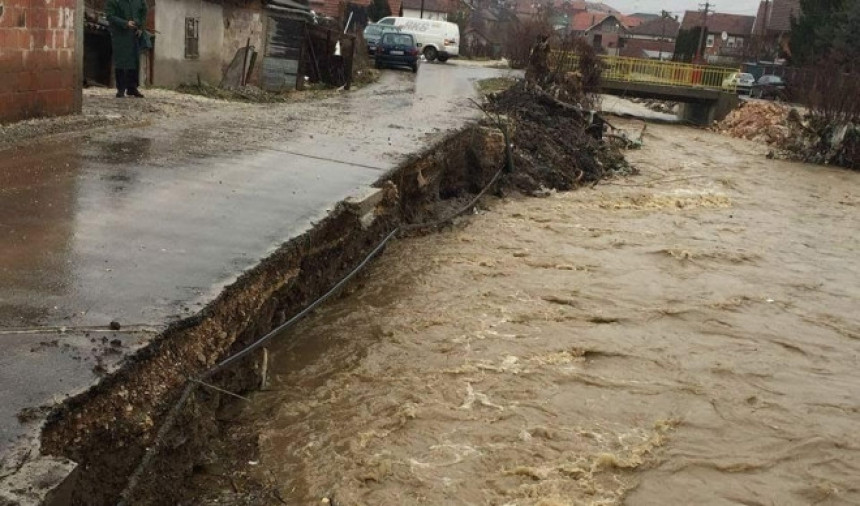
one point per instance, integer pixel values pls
(687, 336)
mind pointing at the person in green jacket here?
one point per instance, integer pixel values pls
(126, 18)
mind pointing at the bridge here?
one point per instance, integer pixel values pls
(703, 90)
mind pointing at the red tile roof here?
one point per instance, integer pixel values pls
(658, 27)
(526, 6)
(584, 20)
(778, 16)
(631, 21)
(635, 48)
(732, 24)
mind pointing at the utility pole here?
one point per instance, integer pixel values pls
(763, 32)
(422, 10)
(664, 15)
(701, 52)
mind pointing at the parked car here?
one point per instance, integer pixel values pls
(397, 50)
(436, 39)
(741, 82)
(769, 86)
(374, 32)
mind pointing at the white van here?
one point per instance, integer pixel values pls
(436, 39)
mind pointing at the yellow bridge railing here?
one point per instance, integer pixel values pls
(637, 70)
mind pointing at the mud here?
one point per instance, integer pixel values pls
(686, 336)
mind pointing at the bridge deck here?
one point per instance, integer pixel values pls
(661, 91)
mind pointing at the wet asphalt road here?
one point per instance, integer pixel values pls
(135, 227)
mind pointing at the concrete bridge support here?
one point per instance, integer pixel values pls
(701, 106)
(706, 113)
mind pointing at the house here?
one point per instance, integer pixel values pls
(487, 31)
(603, 31)
(196, 40)
(648, 49)
(653, 38)
(643, 16)
(772, 28)
(482, 43)
(727, 35)
(659, 28)
(41, 58)
(429, 9)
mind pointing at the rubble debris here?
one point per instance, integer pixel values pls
(757, 121)
(557, 137)
(795, 136)
(115, 325)
(552, 144)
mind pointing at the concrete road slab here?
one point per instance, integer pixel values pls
(145, 226)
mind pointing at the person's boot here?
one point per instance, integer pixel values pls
(135, 93)
(120, 94)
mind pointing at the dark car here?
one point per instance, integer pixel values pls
(769, 86)
(397, 50)
(373, 33)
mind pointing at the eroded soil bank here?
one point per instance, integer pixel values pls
(685, 336)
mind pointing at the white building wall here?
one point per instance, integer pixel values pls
(171, 67)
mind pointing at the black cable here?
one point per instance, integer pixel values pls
(292, 321)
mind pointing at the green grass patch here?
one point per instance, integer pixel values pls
(495, 84)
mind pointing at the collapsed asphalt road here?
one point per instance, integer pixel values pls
(144, 226)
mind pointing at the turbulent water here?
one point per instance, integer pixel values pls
(686, 336)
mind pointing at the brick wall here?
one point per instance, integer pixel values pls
(39, 58)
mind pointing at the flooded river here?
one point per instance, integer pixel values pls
(686, 336)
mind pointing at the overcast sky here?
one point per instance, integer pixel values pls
(678, 7)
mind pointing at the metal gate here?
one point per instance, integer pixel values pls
(283, 53)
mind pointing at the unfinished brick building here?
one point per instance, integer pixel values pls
(40, 58)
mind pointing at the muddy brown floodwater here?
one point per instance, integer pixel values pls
(686, 336)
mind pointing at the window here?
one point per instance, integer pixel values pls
(730, 42)
(710, 42)
(739, 41)
(398, 39)
(192, 38)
